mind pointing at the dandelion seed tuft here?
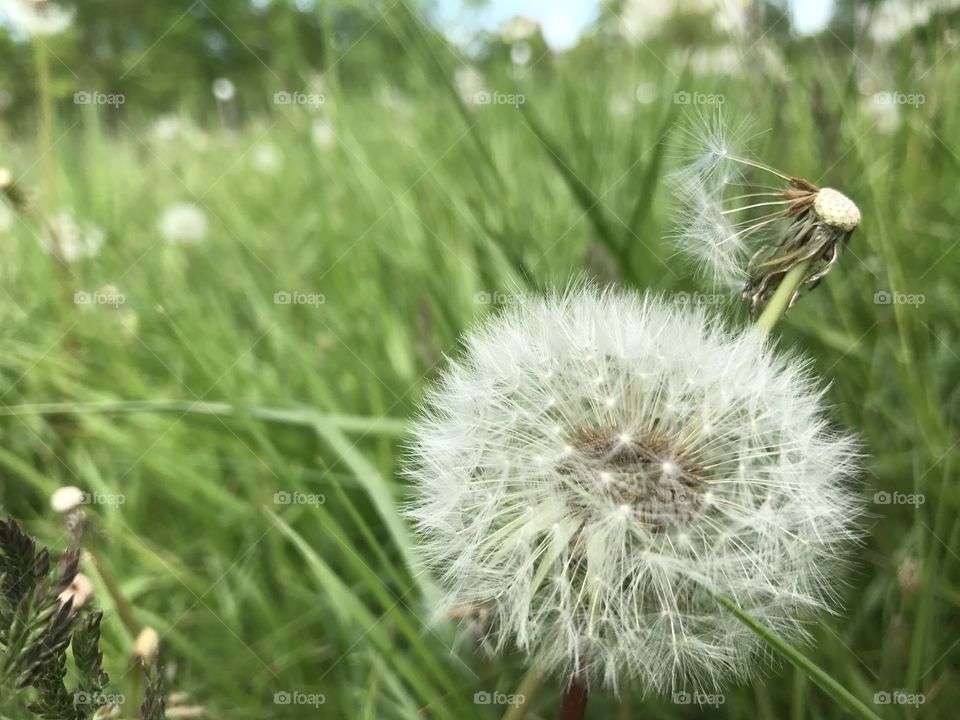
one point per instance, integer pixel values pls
(599, 550)
(184, 223)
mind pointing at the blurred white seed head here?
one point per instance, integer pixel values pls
(470, 83)
(519, 29)
(37, 17)
(184, 223)
(521, 53)
(267, 158)
(598, 465)
(146, 645)
(224, 90)
(66, 499)
(322, 134)
(65, 237)
(80, 590)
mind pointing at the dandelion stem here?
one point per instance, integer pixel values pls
(528, 689)
(45, 125)
(780, 300)
(574, 703)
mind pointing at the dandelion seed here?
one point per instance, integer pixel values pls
(69, 240)
(37, 18)
(184, 224)
(748, 234)
(599, 551)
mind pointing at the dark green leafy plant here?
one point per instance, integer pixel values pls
(38, 624)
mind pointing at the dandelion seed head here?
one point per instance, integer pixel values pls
(184, 223)
(71, 240)
(67, 498)
(37, 18)
(605, 545)
(223, 89)
(79, 592)
(836, 209)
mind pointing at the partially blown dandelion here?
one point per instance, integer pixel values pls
(750, 235)
(599, 467)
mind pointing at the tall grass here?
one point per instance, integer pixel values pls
(412, 225)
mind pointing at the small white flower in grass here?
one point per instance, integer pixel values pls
(37, 17)
(184, 224)
(595, 535)
(71, 241)
(748, 234)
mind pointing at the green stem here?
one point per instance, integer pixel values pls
(854, 705)
(123, 607)
(529, 687)
(780, 301)
(307, 417)
(45, 124)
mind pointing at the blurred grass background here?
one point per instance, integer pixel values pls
(413, 211)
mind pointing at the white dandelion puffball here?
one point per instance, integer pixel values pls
(224, 90)
(67, 498)
(184, 224)
(66, 238)
(598, 467)
(37, 18)
(267, 159)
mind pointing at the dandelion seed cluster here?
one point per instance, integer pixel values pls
(599, 465)
(184, 223)
(746, 234)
